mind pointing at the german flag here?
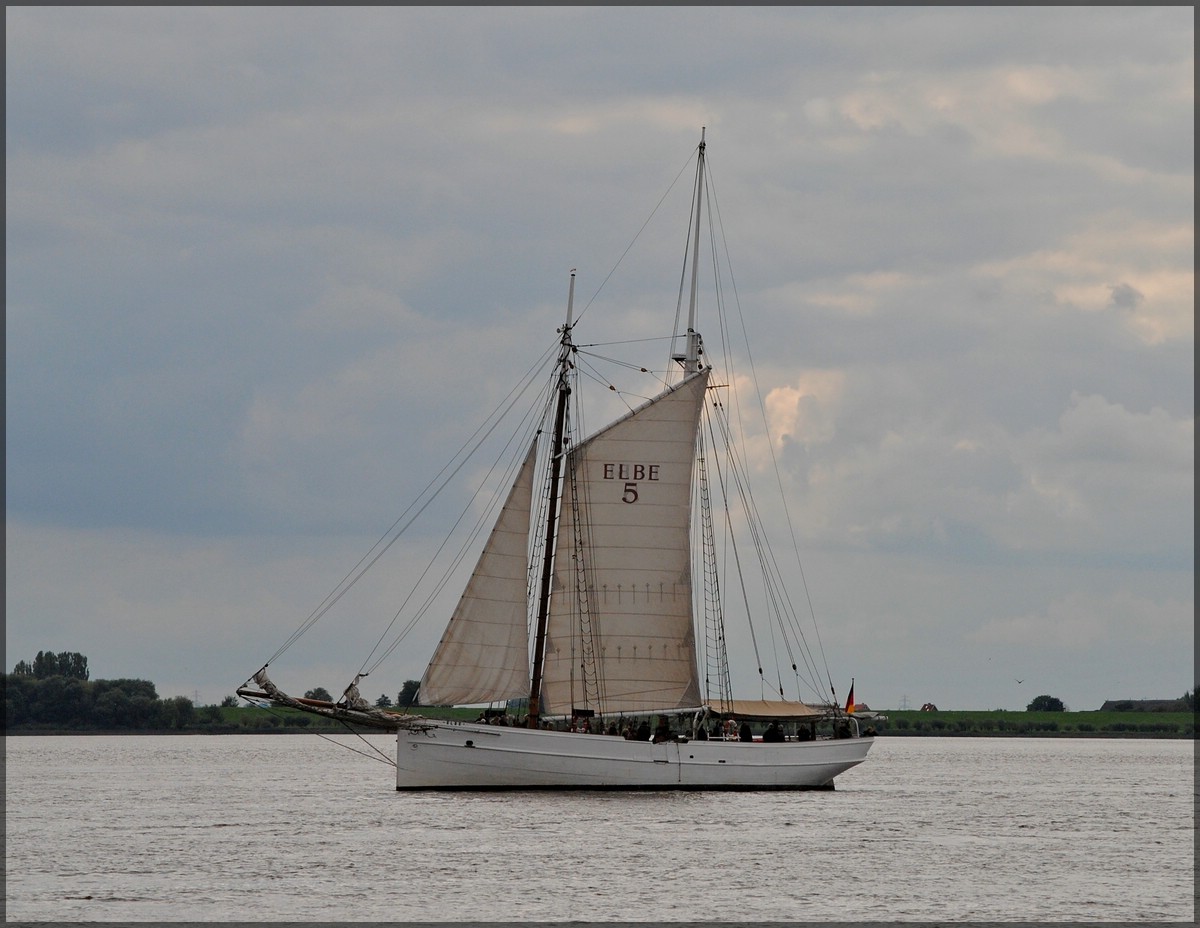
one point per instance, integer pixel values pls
(850, 698)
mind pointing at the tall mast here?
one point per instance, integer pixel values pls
(556, 451)
(691, 360)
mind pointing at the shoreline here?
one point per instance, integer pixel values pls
(1066, 735)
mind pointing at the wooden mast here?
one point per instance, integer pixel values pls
(691, 361)
(556, 452)
(689, 358)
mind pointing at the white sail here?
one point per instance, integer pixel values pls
(484, 653)
(627, 497)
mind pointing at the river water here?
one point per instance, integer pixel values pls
(296, 828)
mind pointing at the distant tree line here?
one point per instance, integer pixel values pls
(1056, 722)
(72, 703)
(53, 692)
(69, 664)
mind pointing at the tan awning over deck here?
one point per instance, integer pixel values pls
(767, 709)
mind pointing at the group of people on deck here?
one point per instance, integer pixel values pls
(640, 730)
(729, 730)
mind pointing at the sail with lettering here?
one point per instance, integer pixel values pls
(622, 566)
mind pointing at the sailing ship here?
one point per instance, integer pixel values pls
(577, 630)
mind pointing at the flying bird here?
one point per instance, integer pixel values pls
(1019, 681)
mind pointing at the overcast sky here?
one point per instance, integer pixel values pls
(267, 267)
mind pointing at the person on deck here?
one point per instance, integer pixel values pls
(744, 732)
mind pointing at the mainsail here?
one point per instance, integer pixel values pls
(622, 599)
(484, 653)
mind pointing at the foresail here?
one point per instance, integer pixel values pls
(622, 566)
(484, 653)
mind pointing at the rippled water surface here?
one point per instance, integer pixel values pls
(294, 828)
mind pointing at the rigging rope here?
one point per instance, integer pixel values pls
(521, 439)
(484, 519)
(375, 754)
(735, 480)
(372, 556)
(633, 241)
(716, 211)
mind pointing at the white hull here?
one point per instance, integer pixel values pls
(461, 755)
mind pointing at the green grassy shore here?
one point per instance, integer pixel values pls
(999, 723)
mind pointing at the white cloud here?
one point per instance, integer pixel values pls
(1115, 253)
(806, 412)
(1107, 479)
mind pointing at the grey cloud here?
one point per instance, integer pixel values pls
(1125, 297)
